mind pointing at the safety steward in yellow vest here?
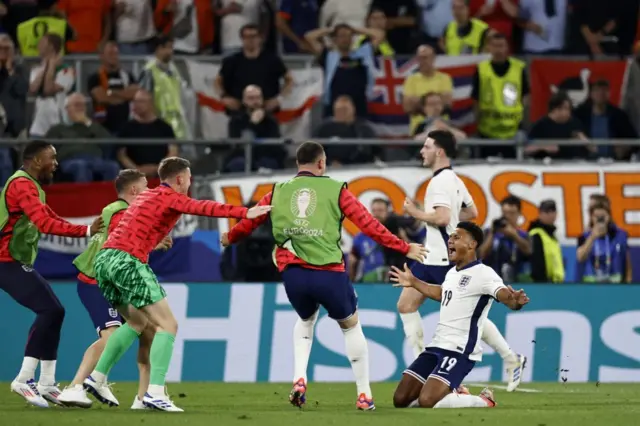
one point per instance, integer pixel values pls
(31, 31)
(377, 20)
(547, 264)
(499, 87)
(463, 35)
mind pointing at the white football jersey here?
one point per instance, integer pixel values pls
(467, 295)
(445, 189)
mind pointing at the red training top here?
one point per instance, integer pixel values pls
(115, 220)
(351, 208)
(22, 198)
(154, 213)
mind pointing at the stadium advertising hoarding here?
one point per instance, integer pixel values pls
(569, 184)
(242, 333)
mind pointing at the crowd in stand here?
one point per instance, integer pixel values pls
(344, 36)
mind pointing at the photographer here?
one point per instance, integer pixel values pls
(368, 261)
(506, 248)
(252, 259)
(603, 251)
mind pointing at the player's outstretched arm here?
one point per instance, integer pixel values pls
(404, 278)
(357, 213)
(511, 298)
(245, 227)
(24, 193)
(187, 205)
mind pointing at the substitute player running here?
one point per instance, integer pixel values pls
(129, 184)
(435, 377)
(23, 216)
(446, 201)
(307, 222)
(129, 284)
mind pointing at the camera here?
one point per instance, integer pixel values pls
(499, 224)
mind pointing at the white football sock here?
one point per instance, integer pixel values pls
(454, 400)
(98, 377)
(414, 404)
(302, 341)
(28, 369)
(358, 354)
(156, 390)
(412, 324)
(492, 337)
(48, 373)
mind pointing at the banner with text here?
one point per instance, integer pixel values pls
(80, 204)
(549, 76)
(294, 115)
(243, 331)
(570, 185)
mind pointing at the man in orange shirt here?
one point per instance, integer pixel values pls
(91, 21)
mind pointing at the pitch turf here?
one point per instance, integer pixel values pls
(334, 404)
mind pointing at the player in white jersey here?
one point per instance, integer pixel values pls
(434, 379)
(446, 202)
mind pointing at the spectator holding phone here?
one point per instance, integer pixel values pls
(506, 247)
(603, 251)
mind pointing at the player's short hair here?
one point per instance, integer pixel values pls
(172, 166)
(474, 230)
(34, 148)
(309, 152)
(444, 139)
(512, 200)
(127, 177)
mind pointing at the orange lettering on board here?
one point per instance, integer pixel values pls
(614, 184)
(390, 189)
(500, 190)
(479, 199)
(233, 195)
(571, 184)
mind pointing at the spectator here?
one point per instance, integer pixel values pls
(352, 13)
(162, 79)
(15, 12)
(189, 22)
(498, 15)
(240, 70)
(401, 23)
(82, 160)
(111, 88)
(346, 125)
(7, 153)
(436, 15)
(595, 199)
(464, 35)
(377, 20)
(506, 247)
(255, 122)
(145, 124)
(14, 86)
(91, 21)
(50, 82)
(433, 108)
(603, 120)
(49, 20)
(558, 124)
(547, 264)
(602, 253)
(544, 25)
(346, 71)
(367, 262)
(235, 15)
(294, 19)
(597, 26)
(500, 88)
(134, 26)
(427, 79)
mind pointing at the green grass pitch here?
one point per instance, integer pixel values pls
(208, 404)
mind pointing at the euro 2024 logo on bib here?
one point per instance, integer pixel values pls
(303, 205)
(509, 94)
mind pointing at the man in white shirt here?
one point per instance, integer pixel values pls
(434, 379)
(446, 202)
(134, 26)
(235, 14)
(50, 82)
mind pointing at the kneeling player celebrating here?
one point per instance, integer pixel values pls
(465, 298)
